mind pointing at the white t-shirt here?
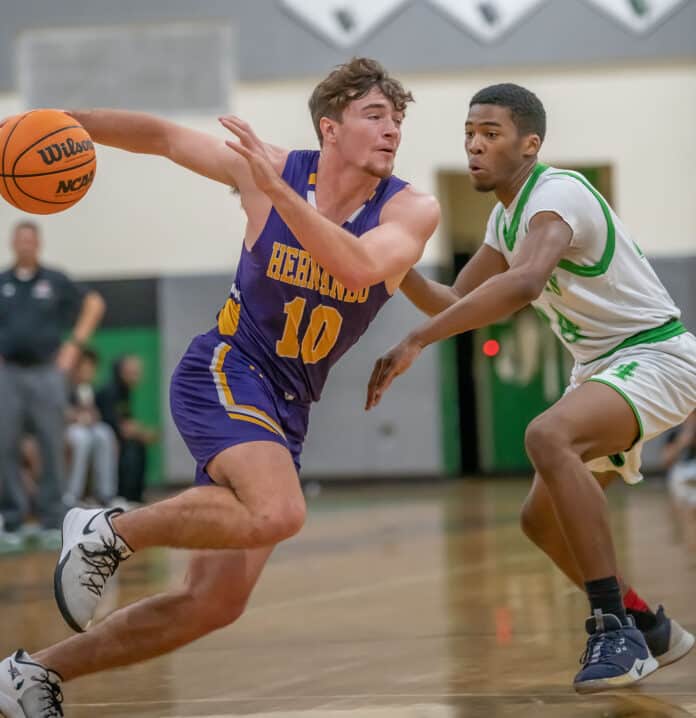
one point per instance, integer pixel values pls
(603, 295)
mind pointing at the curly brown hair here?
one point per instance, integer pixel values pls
(349, 82)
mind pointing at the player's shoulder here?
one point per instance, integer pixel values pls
(561, 187)
(555, 178)
(411, 202)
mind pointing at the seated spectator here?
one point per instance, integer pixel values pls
(679, 458)
(114, 402)
(91, 441)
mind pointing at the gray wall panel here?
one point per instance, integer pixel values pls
(186, 306)
(418, 38)
(160, 67)
(401, 437)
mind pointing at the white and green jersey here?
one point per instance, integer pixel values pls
(603, 295)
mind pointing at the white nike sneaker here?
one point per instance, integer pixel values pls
(91, 553)
(28, 689)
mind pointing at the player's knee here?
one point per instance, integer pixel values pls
(543, 440)
(279, 521)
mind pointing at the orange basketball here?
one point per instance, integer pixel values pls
(47, 161)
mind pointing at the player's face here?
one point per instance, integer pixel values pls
(25, 244)
(370, 133)
(494, 147)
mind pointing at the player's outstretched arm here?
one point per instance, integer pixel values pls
(147, 134)
(433, 297)
(497, 298)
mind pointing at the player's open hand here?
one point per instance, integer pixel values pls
(254, 152)
(396, 361)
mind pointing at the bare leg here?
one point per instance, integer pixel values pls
(258, 502)
(590, 422)
(540, 524)
(215, 593)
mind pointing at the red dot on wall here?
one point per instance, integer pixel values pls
(491, 348)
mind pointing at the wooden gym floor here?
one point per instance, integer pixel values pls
(397, 602)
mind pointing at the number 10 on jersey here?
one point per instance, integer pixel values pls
(320, 337)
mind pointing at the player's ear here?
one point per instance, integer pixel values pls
(328, 129)
(531, 145)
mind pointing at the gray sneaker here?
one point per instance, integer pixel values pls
(92, 551)
(667, 640)
(28, 689)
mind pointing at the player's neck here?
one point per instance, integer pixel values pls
(506, 193)
(340, 190)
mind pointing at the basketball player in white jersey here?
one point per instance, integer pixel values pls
(553, 241)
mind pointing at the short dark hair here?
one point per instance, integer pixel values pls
(349, 82)
(526, 108)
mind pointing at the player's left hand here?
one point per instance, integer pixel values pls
(396, 361)
(254, 152)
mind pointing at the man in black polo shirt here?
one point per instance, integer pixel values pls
(37, 308)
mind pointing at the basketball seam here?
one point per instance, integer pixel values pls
(46, 201)
(4, 151)
(41, 139)
(52, 172)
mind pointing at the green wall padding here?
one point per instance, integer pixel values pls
(112, 343)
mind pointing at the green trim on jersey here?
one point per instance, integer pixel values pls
(600, 380)
(501, 212)
(601, 267)
(672, 328)
(510, 235)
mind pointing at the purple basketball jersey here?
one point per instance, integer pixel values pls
(286, 313)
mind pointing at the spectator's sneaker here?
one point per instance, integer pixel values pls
(91, 553)
(667, 640)
(28, 689)
(616, 655)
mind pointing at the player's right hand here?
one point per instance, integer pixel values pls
(396, 361)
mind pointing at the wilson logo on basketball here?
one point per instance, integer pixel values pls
(72, 185)
(56, 152)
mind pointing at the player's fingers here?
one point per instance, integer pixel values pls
(384, 369)
(242, 130)
(372, 383)
(246, 127)
(234, 127)
(239, 148)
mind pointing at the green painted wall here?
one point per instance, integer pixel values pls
(112, 343)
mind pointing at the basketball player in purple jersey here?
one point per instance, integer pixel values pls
(330, 235)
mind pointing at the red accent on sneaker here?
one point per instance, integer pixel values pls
(633, 602)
